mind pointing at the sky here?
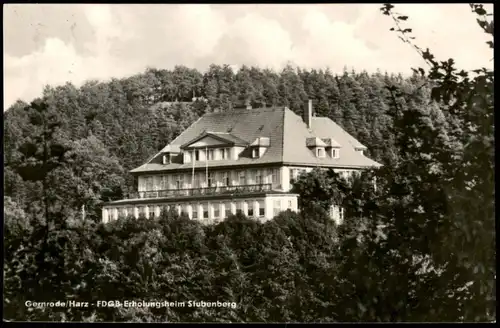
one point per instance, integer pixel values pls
(51, 44)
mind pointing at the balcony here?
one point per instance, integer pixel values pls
(219, 190)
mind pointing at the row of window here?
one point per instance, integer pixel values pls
(221, 179)
(228, 178)
(199, 211)
(181, 181)
(196, 211)
(218, 154)
(277, 206)
(212, 154)
(321, 152)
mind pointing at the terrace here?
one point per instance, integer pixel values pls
(218, 190)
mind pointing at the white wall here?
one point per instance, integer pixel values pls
(262, 150)
(236, 151)
(110, 213)
(285, 178)
(187, 156)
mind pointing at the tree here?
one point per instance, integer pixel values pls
(43, 151)
(469, 104)
(187, 83)
(319, 189)
(89, 177)
(245, 88)
(291, 89)
(271, 94)
(421, 217)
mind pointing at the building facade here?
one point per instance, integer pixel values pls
(241, 160)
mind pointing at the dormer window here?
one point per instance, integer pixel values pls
(219, 145)
(167, 154)
(317, 146)
(259, 146)
(320, 152)
(335, 153)
(360, 149)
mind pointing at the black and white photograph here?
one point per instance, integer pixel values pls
(249, 163)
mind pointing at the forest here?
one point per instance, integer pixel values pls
(420, 247)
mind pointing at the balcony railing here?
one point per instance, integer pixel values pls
(202, 191)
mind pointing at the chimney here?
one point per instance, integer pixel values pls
(308, 114)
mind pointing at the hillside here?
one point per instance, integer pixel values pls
(135, 117)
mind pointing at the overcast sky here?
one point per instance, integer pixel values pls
(52, 44)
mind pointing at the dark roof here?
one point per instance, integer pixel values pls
(315, 142)
(171, 149)
(287, 135)
(330, 142)
(261, 141)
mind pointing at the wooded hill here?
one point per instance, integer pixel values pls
(115, 126)
(418, 247)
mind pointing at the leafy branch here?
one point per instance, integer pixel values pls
(429, 58)
(405, 36)
(450, 83)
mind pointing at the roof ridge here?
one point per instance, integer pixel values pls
(243, 110)
(282, 155)
(215, 132)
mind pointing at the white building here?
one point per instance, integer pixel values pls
(243, 159)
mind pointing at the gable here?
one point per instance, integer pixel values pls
(210, 139)
(207, 141)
